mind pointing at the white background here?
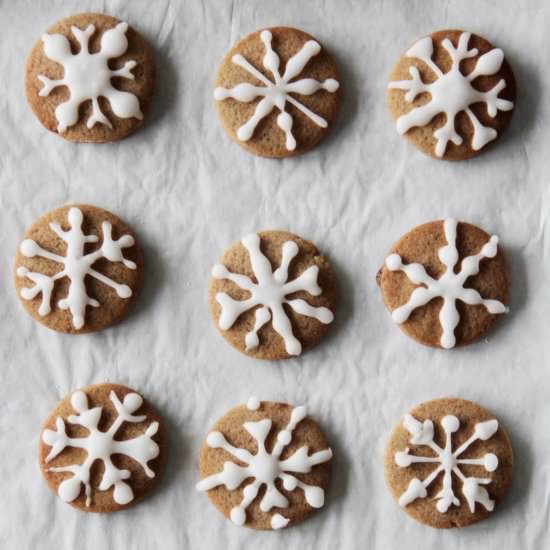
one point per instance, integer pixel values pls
(189, 192)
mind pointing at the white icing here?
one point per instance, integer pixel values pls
(88, 76)
(76, 266)
(450, 286)
(265, 468)
(253, 404)
(278, 521)
(448, 462)
(101, 446)
(270, 293)
(276, 93)
(452, 92)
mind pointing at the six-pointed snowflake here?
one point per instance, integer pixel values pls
(450, 286)
(265, 468)
(452, 92)
(88, 76)
(270, 293)
(76, 266)
(448, 462)
(278, 92)
(100, 446)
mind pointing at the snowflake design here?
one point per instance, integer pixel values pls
(450, 286)
(270, 293)
(448, 462)
(101, 446)
(88, 76)
(265, 468)
(276, 93)
(76, 266)
(452, 92)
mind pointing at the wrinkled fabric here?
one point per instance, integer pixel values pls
(189, 192)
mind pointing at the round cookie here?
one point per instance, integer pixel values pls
(452, 94)
(448, 463)
(265, 465)
(277, 92)
(272, 295)
(78, 269)
(446, 283)
(102, 448)
(90, 78)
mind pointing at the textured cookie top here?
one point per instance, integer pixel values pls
(90, 78)
(272, 295)
(446, 283)
(277, 92)
(452, 94)
(101, 448)
(265, 465)
(448, 462)
(78, 269)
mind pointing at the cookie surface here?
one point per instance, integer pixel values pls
(78, 269)
(452, 94)
(256, 450)
(448, 463)
(272, 295)
(277, 92)
(90, 78)
(446, 283)
(102, 448)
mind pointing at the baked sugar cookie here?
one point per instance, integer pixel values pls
(90, 78)
(448, 463)
(445, 283)
(277, 92)
(101, 448)
(78, 269)
(272, 295)
(452, 94)
(265, 465)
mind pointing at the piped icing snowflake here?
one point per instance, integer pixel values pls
(449, 287)
(452, 92)
(101, 446)
(448, 462)
(76, 266)
(88, 76)
(269, 292)
(264, 468)
(278, 92)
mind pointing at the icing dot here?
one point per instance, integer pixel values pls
(278, 521)
(253, 404)
(238, 515)
(215, 440)
(393, 262)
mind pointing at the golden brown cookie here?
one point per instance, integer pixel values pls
(90, 78)
(448, 462)
(272, 295)
(277, 92)
(452, 94)
(78, 269)
(265, 465)
(102, 448)
(446, 283)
